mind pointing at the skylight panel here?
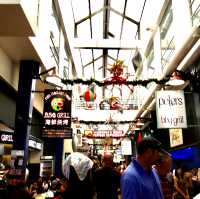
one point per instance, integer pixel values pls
(97, 53)
(83, 30)
(124, 55)
(86, 55)
(129, 30)
(113, 54)
(97, 26)
(81, 9)
(115, 24)
(96, 5)
(119, 5)
(134, 9)
(88, 71)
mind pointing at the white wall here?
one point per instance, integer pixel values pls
(34, 156)
(8, 70)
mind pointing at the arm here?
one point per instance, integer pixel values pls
(177, 188)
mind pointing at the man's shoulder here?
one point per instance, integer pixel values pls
(131, 172)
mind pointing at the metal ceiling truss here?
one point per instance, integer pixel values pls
(106, 33)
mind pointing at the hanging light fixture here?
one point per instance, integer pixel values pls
(52, 76)
(176, 79)
(139, 123)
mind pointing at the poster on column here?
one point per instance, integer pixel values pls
(57, 113)
(170, 109)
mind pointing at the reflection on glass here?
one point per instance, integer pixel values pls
(150, 66)
(167, 37)
(54, 37)
(195, 11)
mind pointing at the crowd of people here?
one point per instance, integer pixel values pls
(147, 176)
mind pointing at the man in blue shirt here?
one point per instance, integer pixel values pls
(140, 181)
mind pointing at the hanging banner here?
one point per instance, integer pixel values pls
(170, 109)
(176, 137)
(57, 113)
(104, 133)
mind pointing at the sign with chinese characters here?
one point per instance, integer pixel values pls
(176, 137)
(57, 112)
(170, 109)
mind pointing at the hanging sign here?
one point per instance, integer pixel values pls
(126, 146)
(170, 109)
(176, 137)
(57, 113)
(104, 133)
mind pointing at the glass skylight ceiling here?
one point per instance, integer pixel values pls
(105, 19)
(103, 31)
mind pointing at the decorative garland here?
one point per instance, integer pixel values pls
(104, 122)
(110, 82)
(193, 77)
(112, 122)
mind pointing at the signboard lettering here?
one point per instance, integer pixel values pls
(170, 109)
(57, 113)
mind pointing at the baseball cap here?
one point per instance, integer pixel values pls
(152, 143)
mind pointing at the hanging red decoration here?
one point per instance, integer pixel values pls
(89, 96)
(139, 138)
(117, 70)
(117, 77)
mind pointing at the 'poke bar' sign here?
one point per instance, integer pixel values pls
(170, 109)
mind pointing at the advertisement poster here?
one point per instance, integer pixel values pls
(170, 109)
(57, 113)
(176, 137)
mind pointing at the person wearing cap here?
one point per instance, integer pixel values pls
(140, 180)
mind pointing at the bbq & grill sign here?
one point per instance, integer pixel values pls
(170, 109)
(57, 112)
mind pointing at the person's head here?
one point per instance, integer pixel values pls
(164, 165)
(148, 152)
(107, 160)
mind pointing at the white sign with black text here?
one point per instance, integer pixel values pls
(170, 109)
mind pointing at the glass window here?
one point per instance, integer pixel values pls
(167, 36)
(54, 36)
(150, 67)
(195, 11)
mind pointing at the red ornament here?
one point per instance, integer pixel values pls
(89, 96)
(139, 138)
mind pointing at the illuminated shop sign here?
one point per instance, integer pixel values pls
(104, 133)
(35, 145)
(57, 112)
(6, 137)
(170, 109)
